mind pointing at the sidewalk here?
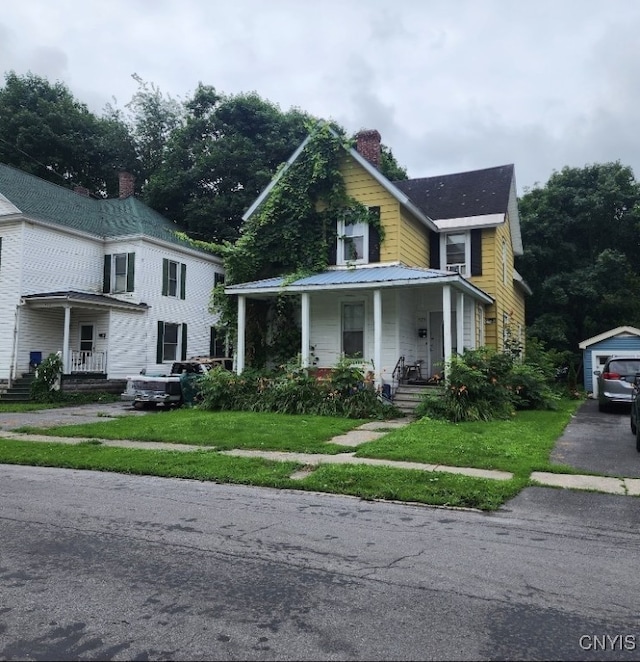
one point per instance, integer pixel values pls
(353, 439)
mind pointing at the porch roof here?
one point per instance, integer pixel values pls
(361, 278)
(80, 299)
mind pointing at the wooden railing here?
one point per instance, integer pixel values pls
(83, 361)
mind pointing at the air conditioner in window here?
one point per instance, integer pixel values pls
(459, 268)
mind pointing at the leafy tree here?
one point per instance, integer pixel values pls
(44, 130)
(219, 160)
(153, 117)
(581, 236)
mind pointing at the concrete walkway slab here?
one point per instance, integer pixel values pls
(596, 483)
(356, 437)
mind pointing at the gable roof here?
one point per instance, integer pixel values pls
(472, 199)
(389, 186)
(618, 331)
(30, 196)
(472, 193)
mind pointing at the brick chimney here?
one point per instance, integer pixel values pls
(82, 190)
(127, 184)
(368, 146)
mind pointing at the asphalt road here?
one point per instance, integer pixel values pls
(105, 566)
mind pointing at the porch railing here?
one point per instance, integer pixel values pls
(84, 361)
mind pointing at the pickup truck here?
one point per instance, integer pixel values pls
(172, 389)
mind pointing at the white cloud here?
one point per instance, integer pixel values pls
(449, 84)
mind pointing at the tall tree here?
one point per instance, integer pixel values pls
(44, 130)
(220, 159)
(581, 236)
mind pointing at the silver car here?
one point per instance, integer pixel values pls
(615, 381)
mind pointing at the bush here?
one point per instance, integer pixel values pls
(291, 390)
(46, 385)
(483, 384)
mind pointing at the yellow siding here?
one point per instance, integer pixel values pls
(405, 239)
(508, 300)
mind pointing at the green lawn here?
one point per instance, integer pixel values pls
(223, 430)
(207, 465)
(520, 445)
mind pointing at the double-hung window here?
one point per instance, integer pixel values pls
(172, 342)
(353, 238)
(174, 278)
(119, 273)
(353, 329)
(456, 253)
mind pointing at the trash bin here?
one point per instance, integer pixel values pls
(189, 387)
(35, 359)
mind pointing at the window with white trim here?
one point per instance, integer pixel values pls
(174, 275)
(170, 342)
(353, 242)
(119, 273)
(504, 261)
(353, 329)
(455, 252)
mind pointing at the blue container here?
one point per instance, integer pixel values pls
(35, 359)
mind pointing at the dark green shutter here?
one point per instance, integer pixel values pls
(374, 235)
(0, 251)
(160, 345)
(212, 341)
(131, 271)
(476, 252)
(165, 277)
(184, 343)
(183, 281)
(434, 250)
(106, 275)
(332, 241)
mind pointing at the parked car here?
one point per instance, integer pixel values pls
(616, 381)
(635, 411)
(169, 389)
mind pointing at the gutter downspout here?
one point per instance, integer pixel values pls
(14, 349)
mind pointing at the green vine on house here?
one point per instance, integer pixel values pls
(289, 235)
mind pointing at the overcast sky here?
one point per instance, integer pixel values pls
(451, 85)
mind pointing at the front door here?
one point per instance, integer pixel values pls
(86, 337)
(436, 341)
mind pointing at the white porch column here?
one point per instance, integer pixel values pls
(377, 337)
(460, 322)
(242, 321)
(306, 330)
(446, 319)
(66, 355)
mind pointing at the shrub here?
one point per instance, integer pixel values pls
(45, 387)
(291, 390)
(483, 384)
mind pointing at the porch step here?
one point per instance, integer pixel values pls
(20, 390)
(408, 396)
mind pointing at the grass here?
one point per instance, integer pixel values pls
(68, 400)
(206, 465)
(223, 430)
(520, 445)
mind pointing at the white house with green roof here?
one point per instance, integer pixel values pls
(105, 282)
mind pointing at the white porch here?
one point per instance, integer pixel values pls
(424, 320)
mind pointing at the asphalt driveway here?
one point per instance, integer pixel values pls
(44, 418)
(599, 442)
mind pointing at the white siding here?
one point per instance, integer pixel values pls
(10, 276)
(38, 260)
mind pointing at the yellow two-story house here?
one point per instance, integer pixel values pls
(441, 281)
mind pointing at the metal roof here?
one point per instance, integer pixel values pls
(359, 278)
(81, 298)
